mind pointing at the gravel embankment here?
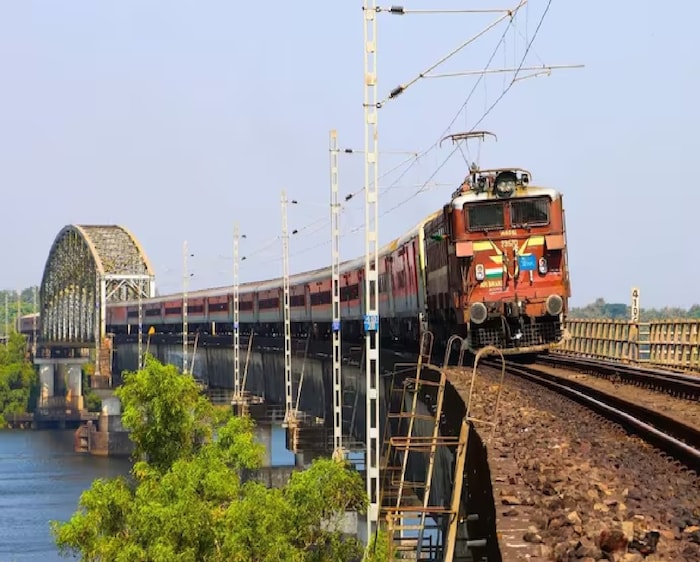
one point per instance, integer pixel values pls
(570, 486)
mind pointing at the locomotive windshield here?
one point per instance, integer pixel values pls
(529, 212)
(522, 213)
(486, 216)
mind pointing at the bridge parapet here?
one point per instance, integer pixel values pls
(673, 344)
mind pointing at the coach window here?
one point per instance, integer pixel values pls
(487, 216)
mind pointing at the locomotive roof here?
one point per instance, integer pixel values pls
(467, 197)
(295, 279)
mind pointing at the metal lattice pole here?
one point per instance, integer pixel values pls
(7, 316)
(287, 325)
(34, 295)
(19, 310)
(140, 290)
(335, 274)
(371, 320)
(185, 284)
(236, 318)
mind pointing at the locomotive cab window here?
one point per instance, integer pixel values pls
(529, 212)
(489, 216)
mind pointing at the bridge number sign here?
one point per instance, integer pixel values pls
(634, 313)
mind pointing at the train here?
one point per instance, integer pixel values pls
(490, 266)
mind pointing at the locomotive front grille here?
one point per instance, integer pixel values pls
(493, 333)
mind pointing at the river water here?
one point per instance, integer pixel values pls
(41, 479)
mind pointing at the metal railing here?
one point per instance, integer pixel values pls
(674, 344)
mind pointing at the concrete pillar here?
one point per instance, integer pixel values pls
(46, 371)
(74, 385)
(299, 460)
(303, 459)
(263, 435)
(111, 415)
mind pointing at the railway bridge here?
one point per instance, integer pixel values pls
(89, 267)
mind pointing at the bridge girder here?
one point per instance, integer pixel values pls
(89, 266)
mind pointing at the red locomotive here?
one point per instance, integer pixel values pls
(497, 269)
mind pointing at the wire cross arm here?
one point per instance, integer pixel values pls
(401, 11)
(539, 71)
(506, 14)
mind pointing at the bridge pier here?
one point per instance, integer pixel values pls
(61, 400)
(46, 380)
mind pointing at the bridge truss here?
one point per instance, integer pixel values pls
(87, 268)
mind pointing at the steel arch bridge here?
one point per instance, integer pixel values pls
(88, 267)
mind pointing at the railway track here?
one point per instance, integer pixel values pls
(672, 436)
(676, 384)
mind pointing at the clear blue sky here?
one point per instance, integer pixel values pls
(177, 118)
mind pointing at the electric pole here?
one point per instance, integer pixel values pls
(36, 308)
(19, 310)
(7, 317)
(185, 284)
(140, 347)
(335, 275)
(236, 318)
(287, 320)
(371, 317)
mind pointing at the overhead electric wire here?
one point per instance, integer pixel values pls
(403, 87)
(413, 159)
(483, 116)
(435, 144)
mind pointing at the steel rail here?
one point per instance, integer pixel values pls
(674, 383)
(667, 434)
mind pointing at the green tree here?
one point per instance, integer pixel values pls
(186, 502)
(165, 412)
(26, 302)
(17, 378)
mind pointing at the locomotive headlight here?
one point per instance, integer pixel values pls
(505, 183)
(478, 313)
(554, 305)
(505, 187)
(542, 265)
(479, 272)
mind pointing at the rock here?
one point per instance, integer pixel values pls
(601, 507)
(573, 518)
(510, 500)
(628, 529)
(555, 523)
(512, 512)
(632, 557)
(532, 537)
(586, 549)
(646, 544)
(612, 541)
